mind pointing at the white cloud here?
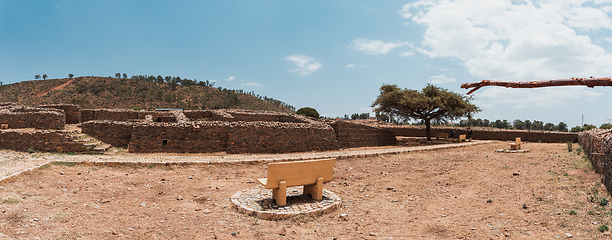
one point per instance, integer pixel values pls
(441, 79)
(375, 47)
(230, 78)
(350, 65)
(536, 97)
(253, 84)
(517, 40)
(406, 54)
(304, 65)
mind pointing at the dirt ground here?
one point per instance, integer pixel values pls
(460, 193)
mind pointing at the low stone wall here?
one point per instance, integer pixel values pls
(490, 134)
(277, 137)
(73, 112)
(597, 145)
(351, 135)
(214, 136)
(255, 116)
(111, 132)
(122, 115)
(34, 118)
(40, 140)
(192, 137)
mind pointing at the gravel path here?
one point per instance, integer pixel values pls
(13, 163)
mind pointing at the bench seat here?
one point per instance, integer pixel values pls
(311, 174)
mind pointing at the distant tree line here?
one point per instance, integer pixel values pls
(516, 124)
(356, 116)
(232, 95)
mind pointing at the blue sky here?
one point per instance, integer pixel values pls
(331, 55)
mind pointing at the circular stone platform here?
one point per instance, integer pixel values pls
(258, 202)
(513, 151)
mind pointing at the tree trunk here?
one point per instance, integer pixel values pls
(589, 82)
(428, 129)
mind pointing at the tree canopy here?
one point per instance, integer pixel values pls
(308, 111)
(430, 104)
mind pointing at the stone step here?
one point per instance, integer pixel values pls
(102, 147)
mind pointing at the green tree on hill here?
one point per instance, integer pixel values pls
(70, 76)
(37, 77)
(45, 76)
(430, 104)
(308, 111)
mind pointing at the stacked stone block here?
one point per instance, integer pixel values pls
(351, 135)
(111, 132)
(73, 112)
(39, 118)
(490, 134)
(193, 137)
(277, 137)
(40, 140)
(597, 145)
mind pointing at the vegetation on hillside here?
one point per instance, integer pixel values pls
(146, 92)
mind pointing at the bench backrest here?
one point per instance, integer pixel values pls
(518, 140)
(300, 172)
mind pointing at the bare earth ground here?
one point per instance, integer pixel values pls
(459, 193)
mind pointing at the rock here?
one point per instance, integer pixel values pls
(283, 232)
(344, 216)
(206, 211)
(515, 174)
(143, 204)
(568, 235)
(179, 197)
(373, 234)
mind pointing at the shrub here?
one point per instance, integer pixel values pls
(308, 111)
(570, 146)
(603, 228)
(136, 108)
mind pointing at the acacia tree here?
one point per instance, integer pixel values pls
(430, 104)
(37, 77)
(45, 76)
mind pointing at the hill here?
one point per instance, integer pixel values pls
(109, 92)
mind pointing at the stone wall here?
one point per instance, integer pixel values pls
(111, 132)
(254, 116)
(122, 115)
(597, 145)
(279, 137)
(40, 140)
(39, 118)
(73, 112)
(192, 137)
(350, 135)
(490, 134)
(214, 136)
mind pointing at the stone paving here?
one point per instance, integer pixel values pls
(258, 202)
(13, 163)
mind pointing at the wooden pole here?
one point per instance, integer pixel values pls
(589, 82)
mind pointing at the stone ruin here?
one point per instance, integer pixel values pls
(180, 131)
(44, 128)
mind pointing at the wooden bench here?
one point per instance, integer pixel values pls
(516, 145)
(310, 174)
(441, 135)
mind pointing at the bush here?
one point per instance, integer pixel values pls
(308, 111)
(603, 228)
